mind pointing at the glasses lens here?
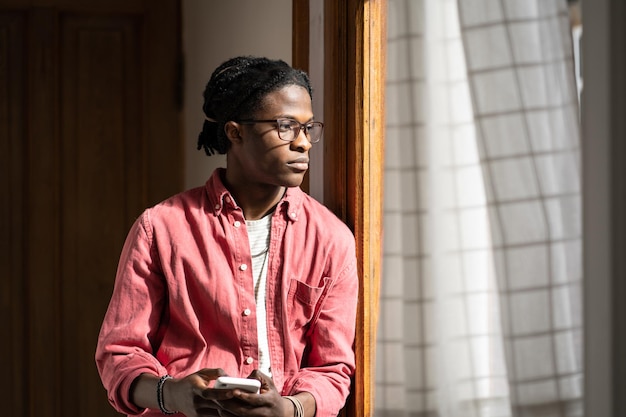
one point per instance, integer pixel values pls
(314, 131)
(286, 129)
(289, 129)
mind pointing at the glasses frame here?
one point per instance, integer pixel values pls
(278, 120)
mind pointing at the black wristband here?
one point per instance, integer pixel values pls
(160, 395)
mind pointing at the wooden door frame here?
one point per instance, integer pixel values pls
(354, 80)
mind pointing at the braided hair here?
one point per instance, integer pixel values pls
(236, 91)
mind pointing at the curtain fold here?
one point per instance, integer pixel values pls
(481, 289)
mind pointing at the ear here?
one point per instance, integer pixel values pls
(233, 131)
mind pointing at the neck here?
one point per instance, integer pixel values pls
(256, 202)
(256, 212)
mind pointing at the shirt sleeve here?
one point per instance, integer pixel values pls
(330, 361)
(124, 350)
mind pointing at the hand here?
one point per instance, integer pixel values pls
(268, 403)
(193, 396)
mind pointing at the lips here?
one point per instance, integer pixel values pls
(301, 164)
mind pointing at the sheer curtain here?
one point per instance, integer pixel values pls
(481, 287)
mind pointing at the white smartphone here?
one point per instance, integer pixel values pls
(244, 384)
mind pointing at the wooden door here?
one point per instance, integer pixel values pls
(89, 136)
(354, 80)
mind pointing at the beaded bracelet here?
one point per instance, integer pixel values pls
(160, 395)
(298, 409)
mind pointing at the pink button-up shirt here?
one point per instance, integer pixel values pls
(184, 299)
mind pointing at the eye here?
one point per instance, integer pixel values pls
(285, 125)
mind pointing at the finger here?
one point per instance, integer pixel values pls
(256, 374)
(211, 374)
(235, 407)
(248, 399)
(266, 382)
(214, 394)
(201, 380)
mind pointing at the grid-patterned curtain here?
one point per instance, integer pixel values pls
(481, 289)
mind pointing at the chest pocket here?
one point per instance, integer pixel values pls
(305, 302)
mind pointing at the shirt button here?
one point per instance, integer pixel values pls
(249, 360)
(293, 215)
(243, 267)
(227, 199)
(246, 312)
(217, 207)
(237, 223)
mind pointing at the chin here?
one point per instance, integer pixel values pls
(293, 181)
(292, 184)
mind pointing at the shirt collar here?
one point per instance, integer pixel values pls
(220, 198)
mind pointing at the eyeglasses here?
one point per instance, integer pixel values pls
(289, 129)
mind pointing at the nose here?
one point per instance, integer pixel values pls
(301, 141)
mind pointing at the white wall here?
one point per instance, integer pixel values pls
(214, 31)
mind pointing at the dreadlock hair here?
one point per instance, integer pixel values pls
(236, 91)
